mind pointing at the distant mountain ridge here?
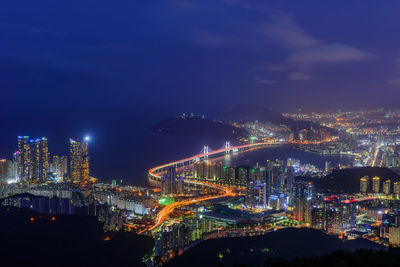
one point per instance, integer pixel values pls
(243, 113)
(200, 126)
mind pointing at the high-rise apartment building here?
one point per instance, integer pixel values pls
(3, 167)
(63, 165)
(364, 183)
(396, 189)
(387, 187)
(79, 160)
(12, 168)
(376, 184)
(23, 158)
(168, 182)
(39, 160)
(59, 165)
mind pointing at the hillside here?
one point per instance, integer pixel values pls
(28, 238)
(199, 126)
(244, 113)
(348, 180)
(287, 243)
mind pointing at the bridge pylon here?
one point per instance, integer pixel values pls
(205, 152)
(227, 147)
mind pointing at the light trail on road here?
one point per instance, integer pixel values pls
(162, 215)
(225, 190)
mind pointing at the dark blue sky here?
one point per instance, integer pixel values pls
(71, 67)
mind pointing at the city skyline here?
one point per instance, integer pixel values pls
(200, 133)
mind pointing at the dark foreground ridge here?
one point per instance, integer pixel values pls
(31, 239)
(286, 244)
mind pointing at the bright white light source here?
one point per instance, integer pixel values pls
(87, 138)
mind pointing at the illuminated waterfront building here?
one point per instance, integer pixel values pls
(3, 167)
(59, 165)
(376, 182)
(170, 184)
(39, 160)
(23, 158)
(364, 183)
(12, 168)
(387, 187)
(200, 170)
(63, 165)
(79, 160)
(54, 166)
(396, 189)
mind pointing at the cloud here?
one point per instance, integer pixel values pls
(285, 31)
(305, 50)
(395, 82)
(328, 53)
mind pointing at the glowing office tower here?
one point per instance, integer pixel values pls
(39, 160)
(23, 158)
(79, 160)
(364, 182)
(387, 187)
(376, 184)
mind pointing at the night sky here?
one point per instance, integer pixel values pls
(112, 68)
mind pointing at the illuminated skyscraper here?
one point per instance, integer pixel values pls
(39, 160)
(12, 168)
(396, 189)
(59, 165)
(168, 182)
(64, 165)
(394, 236)
(387, 187)
(376, 184)
(23, 158)
(79, 160)
(364, 182)
(3, 168)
